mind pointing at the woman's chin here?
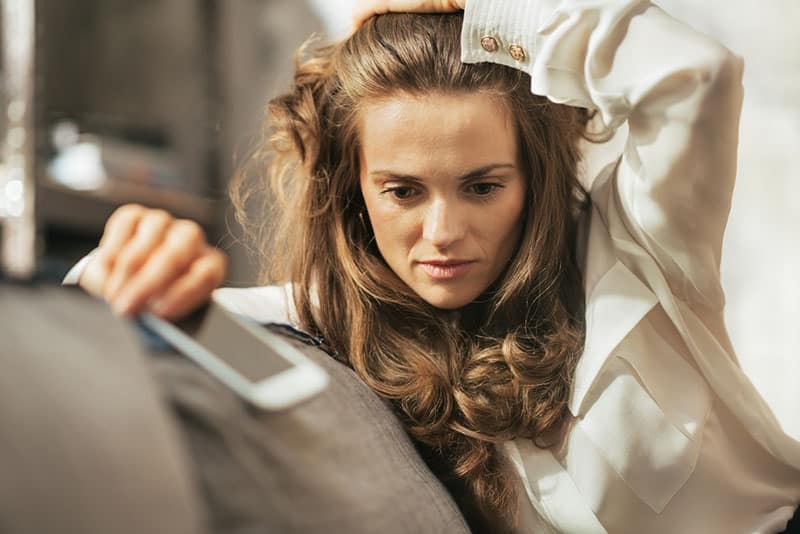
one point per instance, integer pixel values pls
(447, 298)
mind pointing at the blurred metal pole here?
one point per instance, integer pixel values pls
(17, 166)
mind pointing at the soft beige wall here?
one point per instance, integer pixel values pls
(258, 41)
(761, 257)
(761, 254)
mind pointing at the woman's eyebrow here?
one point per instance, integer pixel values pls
(475, 173)
(486, 169)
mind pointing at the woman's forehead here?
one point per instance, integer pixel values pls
(430, 133)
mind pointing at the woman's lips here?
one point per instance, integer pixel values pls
(446, 270)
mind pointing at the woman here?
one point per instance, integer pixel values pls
(552, 350)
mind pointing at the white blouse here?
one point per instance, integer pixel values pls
(666, 432)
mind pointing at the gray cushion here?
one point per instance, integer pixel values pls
(86, 445)
(90, 445)
(340, 462)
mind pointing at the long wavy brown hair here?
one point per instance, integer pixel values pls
(461, 382)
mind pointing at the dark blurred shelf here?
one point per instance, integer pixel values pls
(88, 211)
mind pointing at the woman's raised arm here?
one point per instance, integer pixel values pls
(679, 93)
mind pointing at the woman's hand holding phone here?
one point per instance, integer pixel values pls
(149, 260)
(364, 9)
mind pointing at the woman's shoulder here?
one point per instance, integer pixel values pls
(263, 304)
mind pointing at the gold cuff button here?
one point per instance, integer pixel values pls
(489, 43)
(517, 52)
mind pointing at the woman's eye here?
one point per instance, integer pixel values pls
(483, 189)
(401, 193)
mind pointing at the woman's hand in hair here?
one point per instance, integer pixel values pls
(364, 9)
(148, 260)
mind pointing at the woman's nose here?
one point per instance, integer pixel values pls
(443, 225)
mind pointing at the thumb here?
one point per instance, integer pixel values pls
(94, 277)
(364, 10)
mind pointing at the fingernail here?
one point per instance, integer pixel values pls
(111, 289)
(121, 306)
(159, 307)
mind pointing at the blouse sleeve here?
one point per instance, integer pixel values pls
(678, 91)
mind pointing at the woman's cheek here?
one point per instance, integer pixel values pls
(394, 230)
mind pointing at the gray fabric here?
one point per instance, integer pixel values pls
(86, 446)
(340, 462)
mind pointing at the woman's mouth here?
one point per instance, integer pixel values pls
(446, 270)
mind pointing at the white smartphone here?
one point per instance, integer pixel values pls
(261, 366)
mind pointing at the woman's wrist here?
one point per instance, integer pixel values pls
(502, 32)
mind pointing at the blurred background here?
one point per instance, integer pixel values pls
(158, 102)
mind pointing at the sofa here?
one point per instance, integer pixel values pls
(105, 433)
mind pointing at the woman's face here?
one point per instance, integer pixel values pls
(444, 191)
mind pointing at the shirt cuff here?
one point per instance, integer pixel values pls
(74, 274)
(502, 32)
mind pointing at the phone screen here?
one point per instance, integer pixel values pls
(234, 343)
